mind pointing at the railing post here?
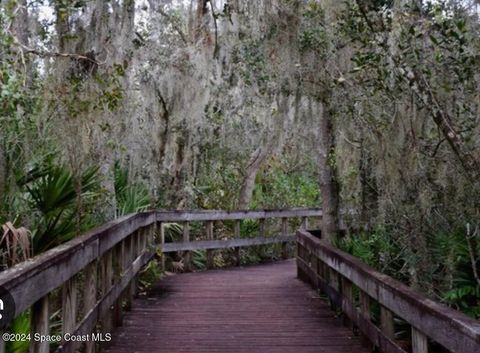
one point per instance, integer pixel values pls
(210, 252)
(386, 322)
(162, 244)
(334, 282)
(284, 232)
(69, 305)
(107, 276)
(419, 341)
(131, 255)
(365, 313)
(261, 227)
(237, 236)
(187, 257)
(118, 270)
(40, 325)
(347, 294)
(90, 297)
(304, 225)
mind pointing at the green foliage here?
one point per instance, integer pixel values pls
(150, 274)
(131, 197)
(218, 188)
(452, 272)
(277, 188)
(20, 325)
(59, 199)
(377, 249)
(313, 37)
(254, 64)
(199, 259)
(172, 232)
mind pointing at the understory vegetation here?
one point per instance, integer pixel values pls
(370, 107)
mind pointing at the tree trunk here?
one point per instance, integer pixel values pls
(248, 184)
(328, 180)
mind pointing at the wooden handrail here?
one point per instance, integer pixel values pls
(333, 272)
(208, 215)
(106, 261)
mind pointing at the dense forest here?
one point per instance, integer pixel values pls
(368, 109)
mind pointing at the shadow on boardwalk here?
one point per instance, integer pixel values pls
(262, 308)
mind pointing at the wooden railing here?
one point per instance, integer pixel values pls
(354, 288)
(94, 276)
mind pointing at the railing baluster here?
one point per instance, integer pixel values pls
(261, 227)
(304, 223)
(187, 257)
(69, 305)
(106, 285)
(138, 238)
(284, 232)
(40, 325)
(162, 244)
(347, 294)
(131, 255)
(237, 236)
(210, 252)
(365, 312)
(90, 297)
(419, 341)
(386, 322)
(334, 281)
(118, 270)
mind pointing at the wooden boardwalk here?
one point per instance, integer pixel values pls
(262, 308)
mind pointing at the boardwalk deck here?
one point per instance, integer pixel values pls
(261, 308)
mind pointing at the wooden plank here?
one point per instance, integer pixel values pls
(284, 232)
(117, 274)
(366, 327)
(365, 313)
(450, 328)
(237, 236)
(50, 273)
(162, 244)
(224, 244)
(90, 297)
(261, 227)
(40, 325)
(181, 216)
(69, 305)
(304, 225)
(187, 256)
(258, 309)
(347, 295)
(419, 342)
(386, 322)
(115, 236)
(107, 319)
(132, 252)
(210, 253)
(89, 321)
(31, 280)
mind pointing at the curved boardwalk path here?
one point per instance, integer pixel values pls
(262, 308)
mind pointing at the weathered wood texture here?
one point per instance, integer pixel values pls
(243, 310)
(33, 279)
(224, 244)
(181, 216)
(449, 328)
(89, 265)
